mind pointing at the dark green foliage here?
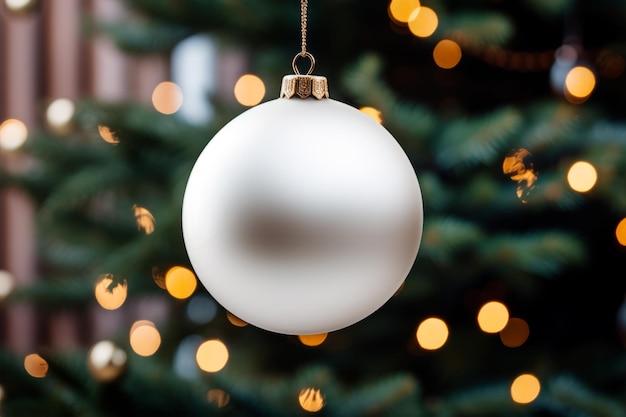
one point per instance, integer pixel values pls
(550, 256)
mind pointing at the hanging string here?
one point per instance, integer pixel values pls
(303, 53)
(303, 23)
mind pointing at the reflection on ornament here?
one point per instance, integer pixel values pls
(106, 361)
(302, 216)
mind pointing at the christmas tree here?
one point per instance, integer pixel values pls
(511, 115)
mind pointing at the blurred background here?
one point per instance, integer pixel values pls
(511, 112)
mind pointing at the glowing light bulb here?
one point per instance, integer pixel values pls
(167, 97)
(13, 134)
(432, 333)
(493, 317)
(582, 176)
(145, 338)
(212, 355)
(423, 22)
(525, 388)
(249, 90)
(447, 54)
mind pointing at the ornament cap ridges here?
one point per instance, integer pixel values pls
(304, 86)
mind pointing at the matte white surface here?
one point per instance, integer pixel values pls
(302, 216)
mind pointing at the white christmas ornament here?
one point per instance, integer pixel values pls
(302, 215)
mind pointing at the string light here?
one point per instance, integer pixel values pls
(582, 176)
(423, 22)
(36, 366)
(400, 11)
(145, 338)
(525, 389)
(432, 333)
(311, 399)
(447, 54)
(212, 355)
(249, 90)
(313, 339)
(111, 292)
(167, 97)
(180, 282)
(13, 134)
(493, 317)
(515, 333)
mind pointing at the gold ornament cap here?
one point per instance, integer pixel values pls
(304, 86)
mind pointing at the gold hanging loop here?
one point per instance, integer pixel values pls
(306, 85)
(305, 55)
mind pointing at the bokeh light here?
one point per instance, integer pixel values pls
(620, 233)
(447, 54)
(212, 355)
(234, 320)
(582, 176)
(218, 397)
(313, 339)
(493, 317)
(180, 282)
(423, 22)
(13, 134)
(106, 361)
(145, 338)
(18, 6)
(145, 220)
(519, 166)
(7, 282)
(400, 10)
(373, 113)
(311, 399)
(432, 333)
(525, 388)
(201, 309)
(111, 292)
(249, 90)
(515, 333)
(107, 135)
(580, 82)
(35, 365)
(59, 115)
(167, 97)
